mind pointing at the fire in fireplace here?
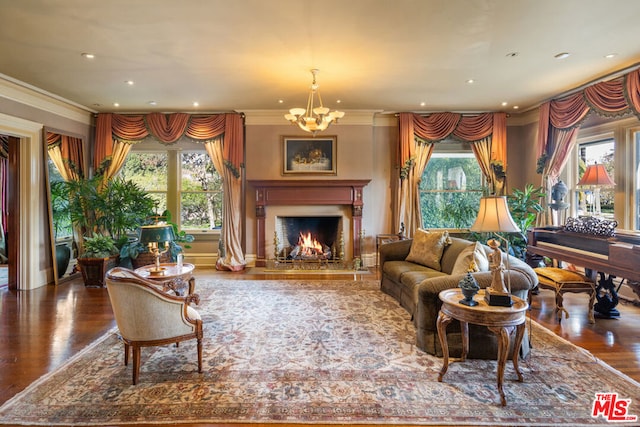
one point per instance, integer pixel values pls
(309, 248)
(308, 238)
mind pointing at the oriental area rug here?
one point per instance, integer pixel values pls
(316, 352)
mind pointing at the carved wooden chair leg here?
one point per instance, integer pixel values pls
(592, 301)
(126, 354)
(136, 364)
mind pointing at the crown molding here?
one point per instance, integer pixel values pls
(31, 96)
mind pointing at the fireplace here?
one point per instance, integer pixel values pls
(308, 237)
(308, 198)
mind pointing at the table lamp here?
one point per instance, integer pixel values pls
(596, 176)
(494, 217)
(152, 236)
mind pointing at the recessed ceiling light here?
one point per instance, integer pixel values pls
(505, 103)
(88, 55)
(129, 82)
(611, 55)
(116, 104)
(470, 81)
(338, 101)
(280, 101)
(196, 104)
(515, 107)
(562, 55)
(152, 103)
(422, 104)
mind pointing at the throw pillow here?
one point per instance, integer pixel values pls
(474, 253)
(427, 248)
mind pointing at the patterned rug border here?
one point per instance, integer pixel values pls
(365, 283)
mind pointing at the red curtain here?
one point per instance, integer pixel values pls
(169, 128)
(559, 120)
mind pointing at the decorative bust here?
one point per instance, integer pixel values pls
(558, 193)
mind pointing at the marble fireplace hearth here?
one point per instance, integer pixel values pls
(304, 198)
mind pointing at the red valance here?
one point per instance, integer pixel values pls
(169, 128)
(438, 126)
(609, 98)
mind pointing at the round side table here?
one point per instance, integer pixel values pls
(178, 280)
(500, 320)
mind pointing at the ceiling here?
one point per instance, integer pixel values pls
(384, 55)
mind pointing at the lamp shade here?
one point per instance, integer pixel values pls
(156, 233)
(596, 175)
(494, 216)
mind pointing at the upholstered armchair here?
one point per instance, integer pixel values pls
(147, 316)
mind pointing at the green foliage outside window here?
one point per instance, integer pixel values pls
(199, 185)
(149, 171)
(450, 192)
(201, 192)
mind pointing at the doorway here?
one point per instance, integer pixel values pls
(9, 210)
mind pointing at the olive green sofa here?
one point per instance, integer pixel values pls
(416, 288)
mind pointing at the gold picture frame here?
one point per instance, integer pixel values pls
(309, 156)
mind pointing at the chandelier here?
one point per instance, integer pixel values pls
(312, 119)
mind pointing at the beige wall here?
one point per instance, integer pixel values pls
(365, 150)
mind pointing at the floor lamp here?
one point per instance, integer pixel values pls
(596, 176)
(494, 217)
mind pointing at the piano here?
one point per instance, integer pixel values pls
(615, 256)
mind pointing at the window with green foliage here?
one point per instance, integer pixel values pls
(450, 190)
(180, 181)
(149, 170)
(200, 192)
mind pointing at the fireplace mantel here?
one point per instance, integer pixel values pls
(307, 192)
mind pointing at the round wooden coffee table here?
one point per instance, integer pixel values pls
(500, 320)
(177, 279)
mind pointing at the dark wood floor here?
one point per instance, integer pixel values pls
(44, 327)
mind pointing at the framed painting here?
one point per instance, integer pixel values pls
(316, 156)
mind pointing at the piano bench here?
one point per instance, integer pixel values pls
(561, 281)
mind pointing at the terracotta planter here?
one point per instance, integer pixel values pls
(94, 269)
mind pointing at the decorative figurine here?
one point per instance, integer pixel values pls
(497, 293)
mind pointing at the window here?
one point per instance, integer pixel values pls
(200, 192)
(451, 187)
(180, 181)
(149, 170)
(601, 152)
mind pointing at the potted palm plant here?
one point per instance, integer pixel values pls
(104, 212)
